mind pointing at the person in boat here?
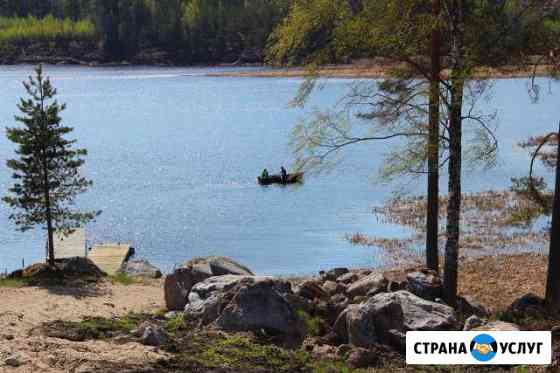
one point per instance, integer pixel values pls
(264, 174)
(283, 174)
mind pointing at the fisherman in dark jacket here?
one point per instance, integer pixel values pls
(284, 175)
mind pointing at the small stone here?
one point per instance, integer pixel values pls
(347, 278)
(472, 322)
(344, 349)
(333, 274)
(14, 360)
(555, 331)
(426, 284)
(361, 358)
(171, 315)
(370, 285)
(154, 336)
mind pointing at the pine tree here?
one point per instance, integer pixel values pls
(46, 171)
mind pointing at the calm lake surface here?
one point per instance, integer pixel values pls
(174, 155)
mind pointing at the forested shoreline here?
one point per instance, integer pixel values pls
(184, 32)
(166, 32)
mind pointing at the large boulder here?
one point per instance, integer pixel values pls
(140, 268)
(529, 305)
(177, 288)
(245, 303)
(386, 317)
(206, 267)
(311, 289)
(371, 284)
(178, 284)
(426, 284)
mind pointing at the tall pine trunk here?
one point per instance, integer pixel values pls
(553, 277)
(46, 181)
(454, 195)
(432, 213)
(455, 131)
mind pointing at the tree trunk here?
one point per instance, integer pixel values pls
(49, 227)
(553, 280)
(454, 196)
(432, 213)
(46, 184)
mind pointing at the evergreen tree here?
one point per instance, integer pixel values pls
(46, 171)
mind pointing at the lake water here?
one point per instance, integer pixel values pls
(174, 155)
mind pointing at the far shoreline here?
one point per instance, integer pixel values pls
(261, 70)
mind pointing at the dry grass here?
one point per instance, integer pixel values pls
(497, 281)
(377, 71)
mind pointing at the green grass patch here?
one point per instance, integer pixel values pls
(13, 282)
(94, 327)
(122, 279)
(176, 324)
(313, 324)
(243, 354)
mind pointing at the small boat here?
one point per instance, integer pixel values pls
(277, 179)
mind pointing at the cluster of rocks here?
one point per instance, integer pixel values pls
(362, 308)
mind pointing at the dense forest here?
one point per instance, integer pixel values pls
(188, 31)
(140, 31)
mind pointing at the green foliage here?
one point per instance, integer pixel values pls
(241, 353)
(100, 327)
(46, 172)
(313, 324)
(13, 282)
(176, 323)
(46, 29)
(186, 30)
(122, 279)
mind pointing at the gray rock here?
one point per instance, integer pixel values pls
(361, 358)
(498, 326)
(245, 303)
(386, 317)
(369, 285)
(467, 306)
(311, 289)
(426, 284)
(347, 278)
(170, 315)
(334, 273)
(205, 267)
(330, 287)
(14, 360)
(529, 305)
(178, 284)
(154, 335)
(140, 268)
(258, 305)
(396, 285)
(177, 288)
(472, 322)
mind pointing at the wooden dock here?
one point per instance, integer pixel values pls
(70, 246)
(110, 257)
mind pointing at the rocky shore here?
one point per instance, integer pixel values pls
(213, 314)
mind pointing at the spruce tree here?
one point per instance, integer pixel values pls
(46, 171)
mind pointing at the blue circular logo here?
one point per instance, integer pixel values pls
(484, 347)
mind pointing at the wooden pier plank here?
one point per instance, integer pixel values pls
(110, 257)
(70, 246)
